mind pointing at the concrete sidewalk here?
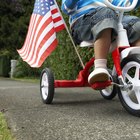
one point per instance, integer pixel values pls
(76, 114)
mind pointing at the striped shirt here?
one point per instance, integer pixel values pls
(77, 8)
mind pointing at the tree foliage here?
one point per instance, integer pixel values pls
(14, 21)
(14, 18)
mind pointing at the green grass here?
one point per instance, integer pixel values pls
(5, 133)
(28, 79)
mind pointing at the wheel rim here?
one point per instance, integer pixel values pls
(131, 74)
(107, 91)
(44, 86)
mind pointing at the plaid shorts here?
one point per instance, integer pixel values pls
(89, 26)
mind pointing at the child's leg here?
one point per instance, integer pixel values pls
(102, 44)
(136, 43)
(101, 49)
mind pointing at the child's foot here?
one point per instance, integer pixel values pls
(98, 75)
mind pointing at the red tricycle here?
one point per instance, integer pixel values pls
(125, 75)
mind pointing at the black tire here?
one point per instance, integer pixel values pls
(110, 92)
(129, 98)
(47, 91)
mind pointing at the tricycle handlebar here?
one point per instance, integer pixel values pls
(118, 8)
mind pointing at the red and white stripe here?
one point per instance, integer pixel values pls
(41, 37)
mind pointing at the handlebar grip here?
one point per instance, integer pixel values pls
(118, 8)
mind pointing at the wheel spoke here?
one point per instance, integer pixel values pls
(45, 81)
(45, 77)
(43, 93)
(137, 73)
(129, 93)
(137, 92)
(129, 77)
(45, 84)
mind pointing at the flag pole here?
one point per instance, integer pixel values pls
(82, 64)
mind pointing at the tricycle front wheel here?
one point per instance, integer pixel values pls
(130, 98)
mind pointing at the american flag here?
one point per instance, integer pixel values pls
(41, 39)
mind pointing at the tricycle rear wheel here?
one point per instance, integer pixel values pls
(47, 86)
(109, 92)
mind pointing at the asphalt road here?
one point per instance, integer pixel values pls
(76, 114)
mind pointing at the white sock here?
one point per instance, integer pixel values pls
(100, 63)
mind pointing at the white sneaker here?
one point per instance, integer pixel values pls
(98, 75)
